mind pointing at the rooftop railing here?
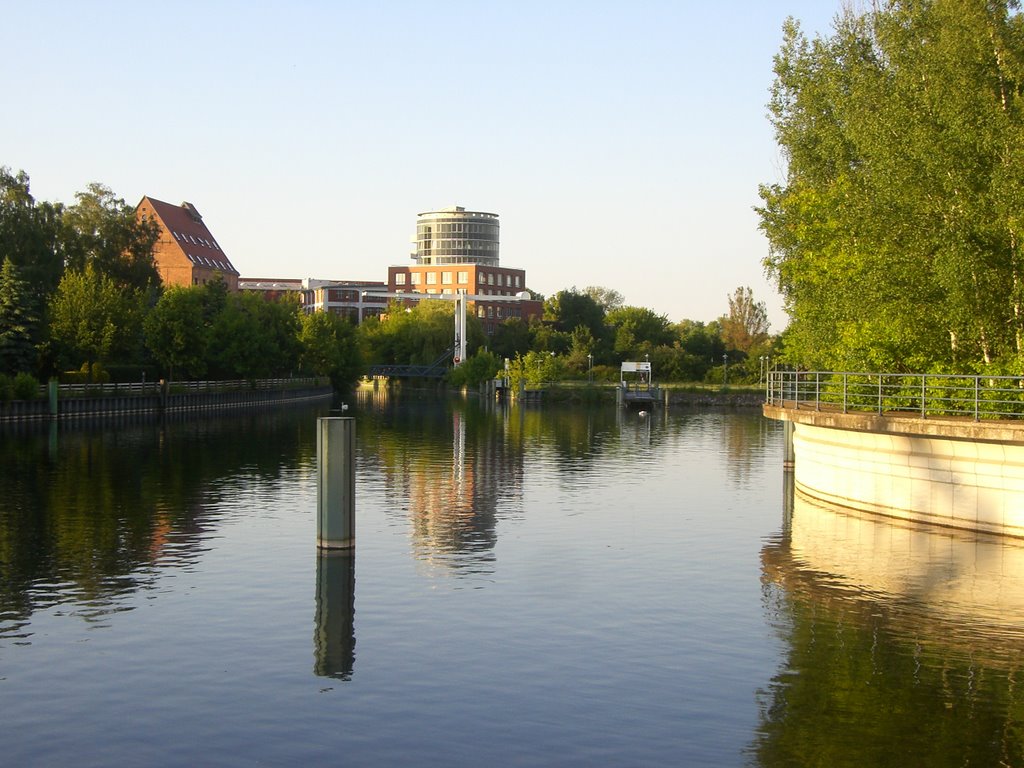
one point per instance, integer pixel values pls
(922, 394)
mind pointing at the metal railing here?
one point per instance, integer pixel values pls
(153, 387)
(920, 394)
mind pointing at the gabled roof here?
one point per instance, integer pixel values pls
(190, 234)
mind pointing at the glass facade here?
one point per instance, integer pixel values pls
(457, 236)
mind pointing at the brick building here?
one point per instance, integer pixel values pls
(186, 253)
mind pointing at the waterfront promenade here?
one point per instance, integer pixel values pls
(947, 450)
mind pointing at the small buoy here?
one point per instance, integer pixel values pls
(642, 413)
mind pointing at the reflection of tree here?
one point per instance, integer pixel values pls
(875, 677)
(115, 499)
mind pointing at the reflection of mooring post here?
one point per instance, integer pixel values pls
(53, 390)
(334, 638)
(336, 482)
(789, 457)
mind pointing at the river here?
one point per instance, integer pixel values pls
(534, 586)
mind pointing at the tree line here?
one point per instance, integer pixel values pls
(583, 334)
(81, 298)
(896, 235)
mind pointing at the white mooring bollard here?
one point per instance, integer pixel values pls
(336, 482)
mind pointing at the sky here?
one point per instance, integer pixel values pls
(621, 144)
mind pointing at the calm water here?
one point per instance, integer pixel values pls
(565, 587)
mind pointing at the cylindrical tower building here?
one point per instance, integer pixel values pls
(456, 236)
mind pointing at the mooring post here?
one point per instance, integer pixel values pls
(52, 391)
(336, 482)
(789, 457)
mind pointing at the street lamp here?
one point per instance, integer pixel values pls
(590, 368)
(725, 370)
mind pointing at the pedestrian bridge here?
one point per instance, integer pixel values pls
(940, 449)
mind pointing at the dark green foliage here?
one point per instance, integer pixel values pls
(25, 386)
(330, 348)
(102, 231)
(18, 323)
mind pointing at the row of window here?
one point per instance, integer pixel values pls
(439, 244)
(195, 240)
(203, 261)
(483, 278)
(457, 227)
(499, 312)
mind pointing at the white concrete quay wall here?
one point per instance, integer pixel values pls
(964, 483)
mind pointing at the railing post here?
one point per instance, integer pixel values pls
(844, 393)
(924, 378)
(817, 391)
(879, 394)
(977, 389)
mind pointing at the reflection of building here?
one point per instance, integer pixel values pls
(457, 252)
(944, 582)
(185, 252)
(450, 474)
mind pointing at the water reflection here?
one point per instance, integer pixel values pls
(334, 639)
(91, 512)
(900, 641)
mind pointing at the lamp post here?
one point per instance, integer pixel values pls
(725, 370)
(590, 368)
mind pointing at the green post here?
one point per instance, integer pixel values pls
(53, 389)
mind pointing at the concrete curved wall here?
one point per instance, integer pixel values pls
(926, 471)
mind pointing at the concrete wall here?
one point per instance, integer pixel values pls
(960, 474)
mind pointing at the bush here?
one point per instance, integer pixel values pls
(25, 387)
(6, 388)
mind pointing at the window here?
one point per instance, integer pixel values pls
(463, 278)
(446, 278)
(415, 278)
(400, 278)
(431, 278)
(517, 281)
(481, 278)
(446, 290)
(500, 312)
(490, 311)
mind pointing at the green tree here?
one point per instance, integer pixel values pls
(569, 309)
(330, 348)
(92, 318)
(29, 242)
(101, 230)
(483, 366)
(511, 338)
(252, 338)
(895, 238)
(637, 331)
(17, 322)
(177, 333)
